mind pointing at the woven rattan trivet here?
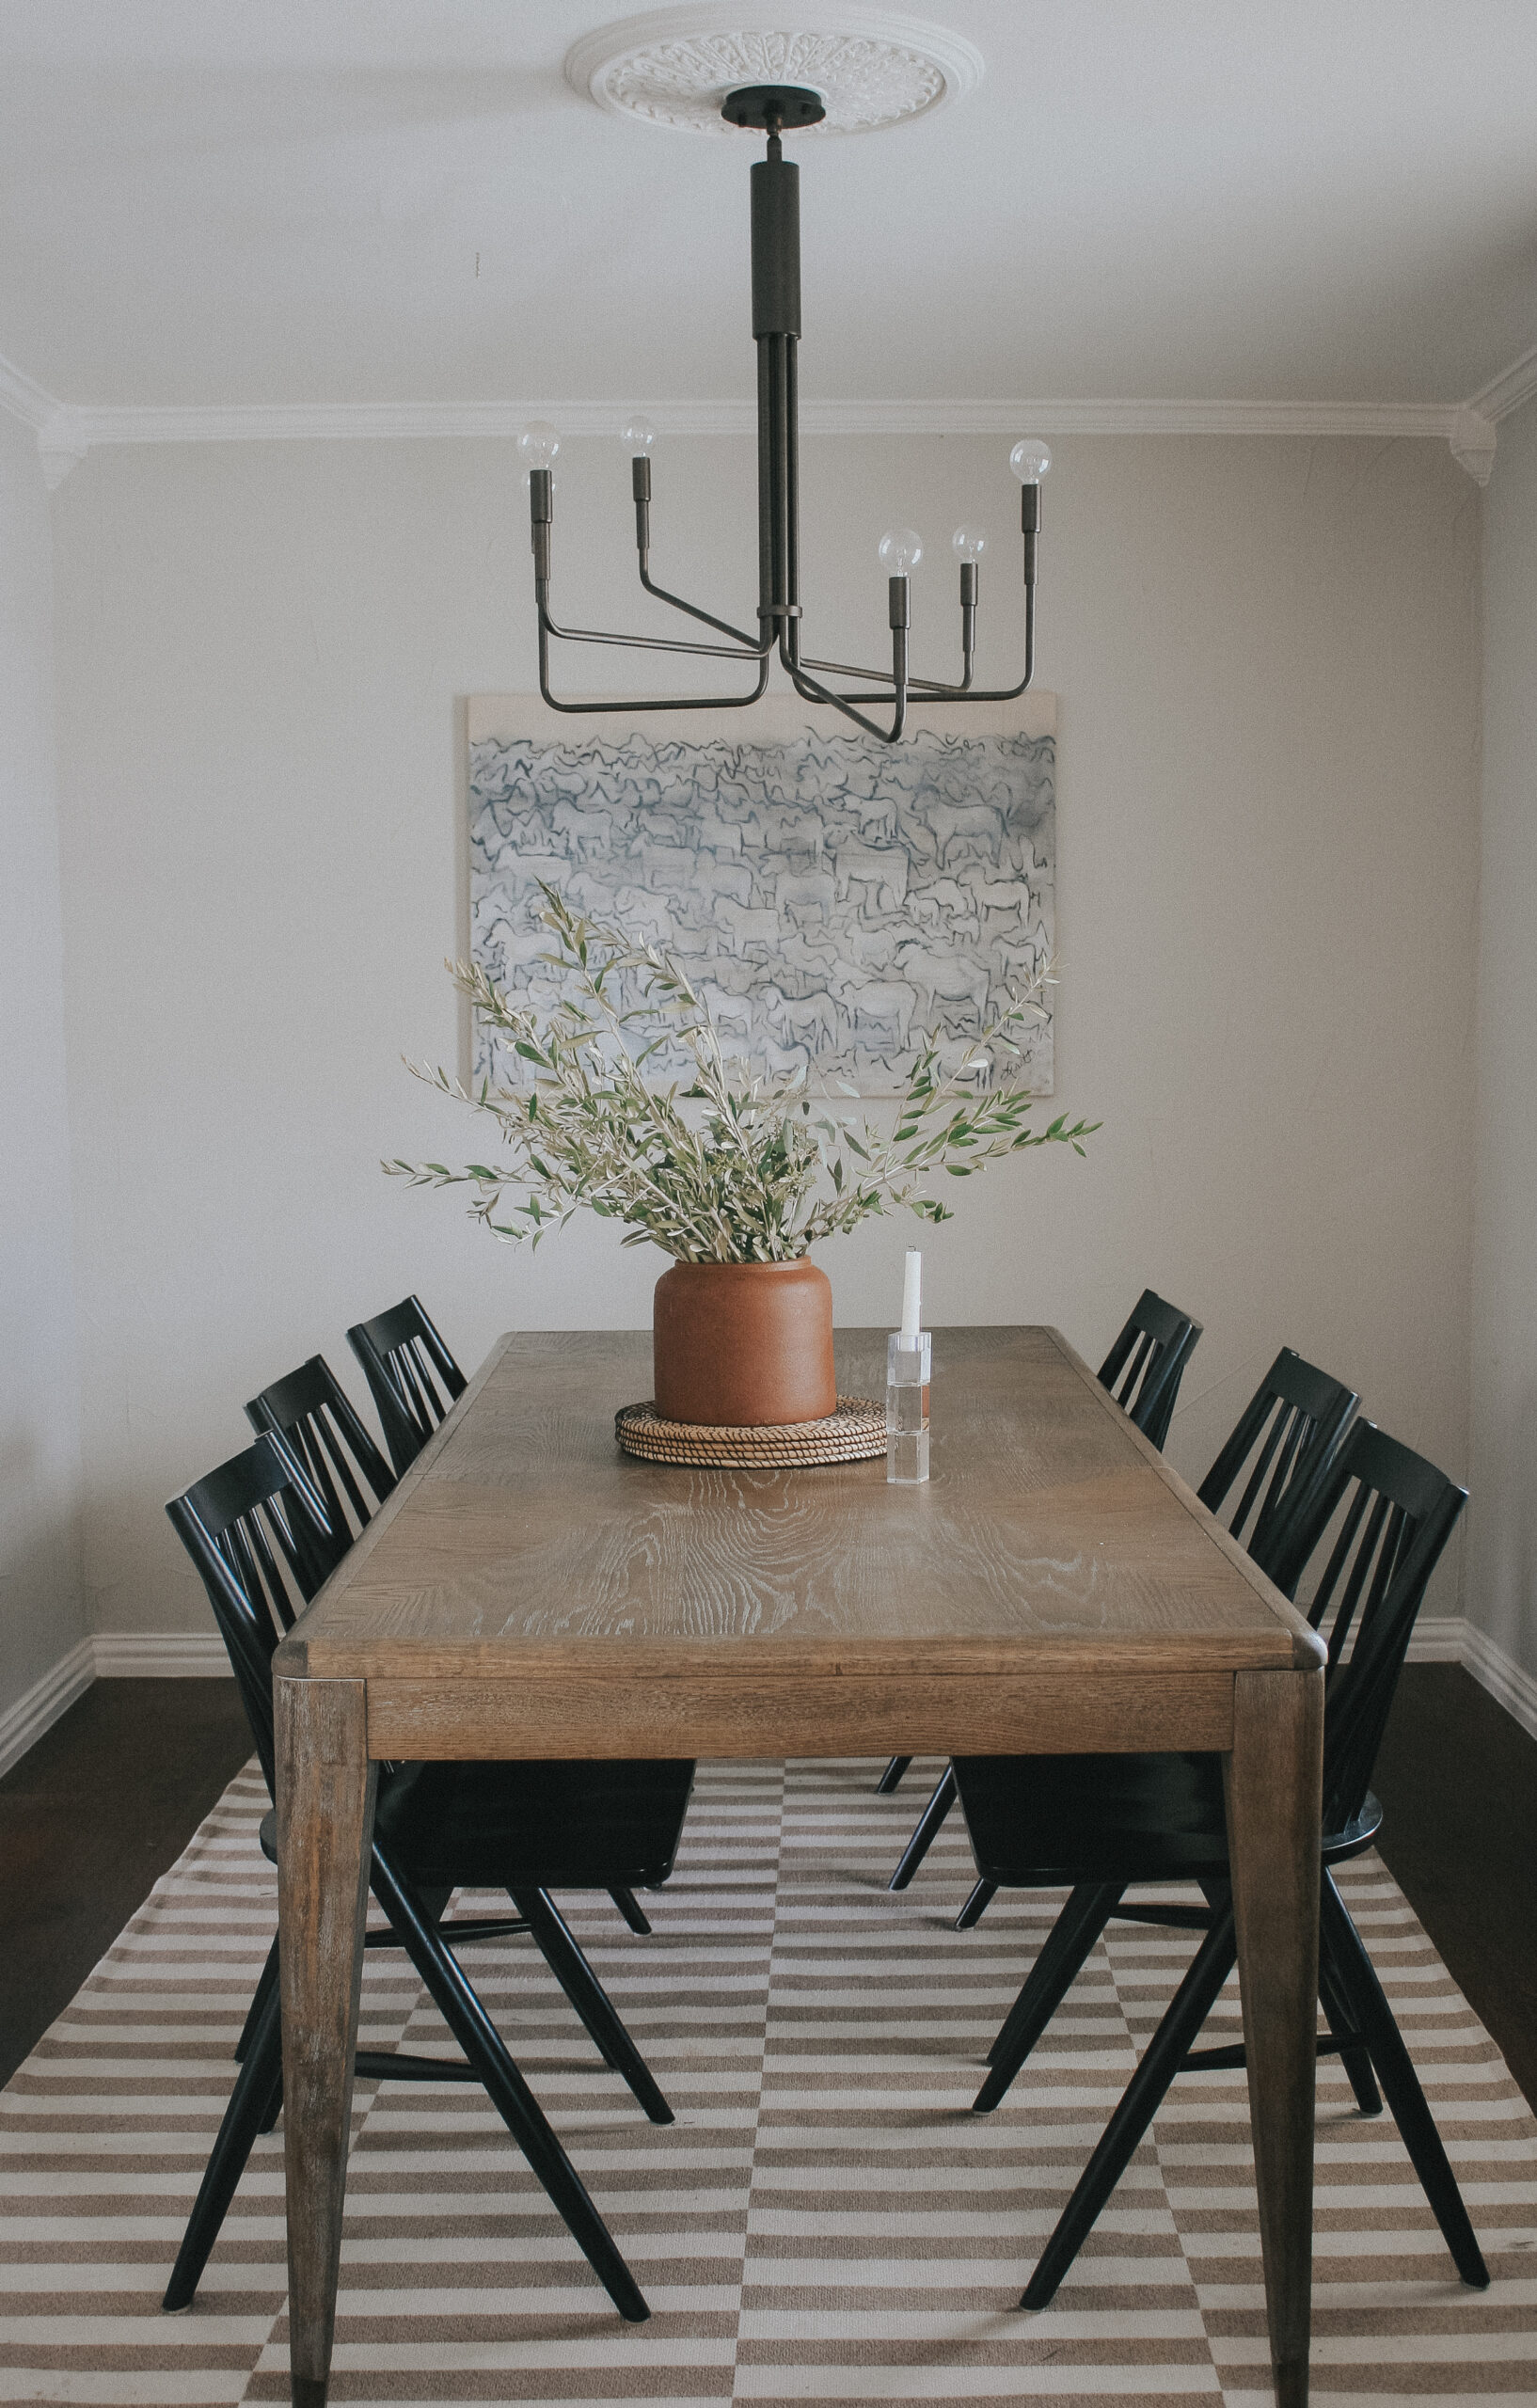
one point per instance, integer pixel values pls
(855, 1431)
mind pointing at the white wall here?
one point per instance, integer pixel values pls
(1503, 1587)
(41, 1602)
(1267, 657)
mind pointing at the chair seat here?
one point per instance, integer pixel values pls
(1051, 1822)
(536, 1825)
(548, 1825)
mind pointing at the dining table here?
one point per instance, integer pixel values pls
(529, 1591)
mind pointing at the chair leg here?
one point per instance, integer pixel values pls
(1161, 2060)
(228, 2158)
(930, 1822)
(273, 2104)
(483, 2044)
(976, 1906)
(259, 1999)
(1061, 1959)
(632, 1910)
(597, 2009)
(1354, 2053)
(891, 1776)
(593, 2027)
(1374, 2018)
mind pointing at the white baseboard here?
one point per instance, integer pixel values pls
(1448, 1639)
(1440, 1640)
(1501, 1675)
(138, 1654)
(35, 1712)
(197, 1655)
(160, 1655)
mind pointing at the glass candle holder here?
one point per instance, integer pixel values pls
(907, 1408)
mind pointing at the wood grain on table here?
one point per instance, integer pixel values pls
(524, 1544)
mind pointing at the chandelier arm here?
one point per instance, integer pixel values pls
(1007, 693)
(660, 703)
(965, 692)
(654, 643)
(882, 676)
(641, 483)
(675, 602)
(812, 690)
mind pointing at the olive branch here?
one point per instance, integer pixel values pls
(761, 1172)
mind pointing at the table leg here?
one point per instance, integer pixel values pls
(326, 1790)
(1273, 1785)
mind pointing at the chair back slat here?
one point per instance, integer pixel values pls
(1291, 1430)
(1144, 1368)
(263, 1545)
(317, 1416)
(329, 1477)
(1263, 1492)
(412, 1377)
(1399, 1512)
(1338, 1613)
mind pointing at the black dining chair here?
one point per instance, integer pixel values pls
(318, 1419)
(1293, 1426)
(1146, 1363)
(412, 1377)
(1293, 1421)
(323, 1426)
(260, 1537)
(1101, 1825)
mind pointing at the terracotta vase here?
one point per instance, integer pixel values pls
(739, 1343)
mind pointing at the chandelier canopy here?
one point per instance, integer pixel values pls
(774, 110)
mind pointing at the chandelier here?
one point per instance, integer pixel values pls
(774, 110)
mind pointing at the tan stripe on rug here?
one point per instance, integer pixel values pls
(825, 2221)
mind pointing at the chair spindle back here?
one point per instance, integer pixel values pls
(1144, 1368)
(411, 1375)
(258, 1533)
(1398, 1514)
(1293, 1425)
(317, 1418)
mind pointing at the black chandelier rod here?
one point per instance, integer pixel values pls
(776, 329)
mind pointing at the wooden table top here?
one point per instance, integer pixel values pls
(1049, 1534)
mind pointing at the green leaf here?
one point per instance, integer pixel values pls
(723, 1168)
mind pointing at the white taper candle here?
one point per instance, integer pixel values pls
(911, 1280)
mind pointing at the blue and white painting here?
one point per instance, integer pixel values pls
(832, 898)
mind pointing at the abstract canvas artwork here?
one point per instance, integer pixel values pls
(832, 898)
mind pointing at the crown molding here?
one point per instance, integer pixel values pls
(1508, 389)
(300, 421)
(60, 440)
(66, 432)
(22, 398)
(1473, 438)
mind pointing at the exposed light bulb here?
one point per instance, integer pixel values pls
(1030, 461)
(968, 543)
(538, 444)
(901, 549)
(638, 435)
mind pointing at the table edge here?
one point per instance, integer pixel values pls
(1308, 1649)
(302, 1655)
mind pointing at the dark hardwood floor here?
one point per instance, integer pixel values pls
(1457, 1776)
(89, 1819)
(105, 1802)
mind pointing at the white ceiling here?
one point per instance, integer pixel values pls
(403, 201)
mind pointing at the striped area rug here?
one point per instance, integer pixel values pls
(825, 2222)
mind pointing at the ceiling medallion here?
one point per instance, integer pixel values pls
(869, 68)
